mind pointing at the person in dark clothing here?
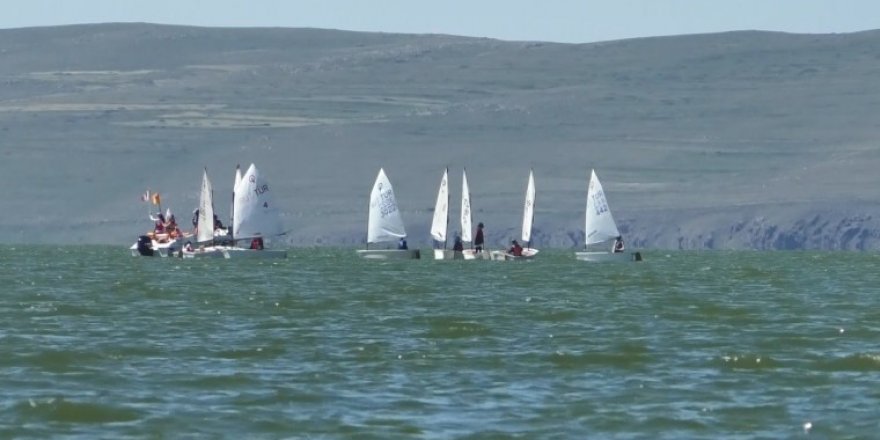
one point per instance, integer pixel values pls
(217, 223)
(402, 244)
(478, 238)
(458, 246)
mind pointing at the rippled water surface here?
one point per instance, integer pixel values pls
(97, 344)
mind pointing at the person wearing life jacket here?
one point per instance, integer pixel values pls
(515, 249)
(171, 227)
(257, 244)
(159, 227)
(618, 245)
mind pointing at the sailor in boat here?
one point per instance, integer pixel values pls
(478, 238)
(257, 244)
(217, 223)
(617, 247)
(401, 244)
(458, 246)
(159, 226)
(171, 228)
(515, 249)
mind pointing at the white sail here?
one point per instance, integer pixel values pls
(466, 224)
(254, 213)
(385, 222)
(529, 209)
(235, 185)
(441, 210)
(206, 211)
(599, 226)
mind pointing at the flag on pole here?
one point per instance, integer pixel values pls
(145, 197)
(156, 199)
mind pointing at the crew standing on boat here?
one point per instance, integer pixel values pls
(478, 238)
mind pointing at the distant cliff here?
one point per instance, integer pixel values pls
(741, 140)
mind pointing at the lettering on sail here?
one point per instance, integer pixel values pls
(387, 204)
(261, 189)
(599, 203)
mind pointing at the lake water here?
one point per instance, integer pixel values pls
(97, 344)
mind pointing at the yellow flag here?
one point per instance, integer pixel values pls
(156, 199)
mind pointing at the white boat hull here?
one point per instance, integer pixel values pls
(467, 254)
(527, 254)
(389, 254)
(470, 254)
(608, 257)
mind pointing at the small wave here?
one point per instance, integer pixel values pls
(60, 410)
(59, 361)
(246, 353)
(631, 357)
(224, 381)
(853, 362)
(443, 328)
(747, 362)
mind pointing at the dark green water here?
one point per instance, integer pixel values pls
(97, 344)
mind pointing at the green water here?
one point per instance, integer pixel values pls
(97, 344)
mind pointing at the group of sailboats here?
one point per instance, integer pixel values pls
(255, 219)
(440, 224)
(385, 225)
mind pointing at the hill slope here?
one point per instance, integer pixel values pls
(735, 140)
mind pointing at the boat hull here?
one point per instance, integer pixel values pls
(608, 257)
(153, 248)
(467, 254)
(527, 254)
(389, 254)
(470, 254)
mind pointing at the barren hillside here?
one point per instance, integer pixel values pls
(736, 140)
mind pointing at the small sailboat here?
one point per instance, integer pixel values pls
(528, 218)
(440, 222)
(599, 228)
(385, 225)
(255, 218)
(205, 245)
(467, 222)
